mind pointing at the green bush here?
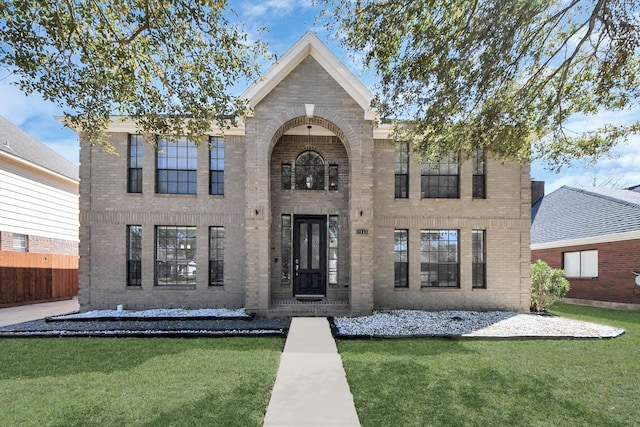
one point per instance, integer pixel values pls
(548, 285)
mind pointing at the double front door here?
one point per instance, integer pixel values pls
(310, 255)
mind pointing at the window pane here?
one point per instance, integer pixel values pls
(589, 263)
(20, 242)
(333, 177)
(402, 171)
(175, 255)
(216, 256)
(216, 165)
(401, 258)
(304, 245)
(286, 176)
(333, 250)
(309, 171)
(572, 264)
(176, 167)
(286, 249)
(439, 255)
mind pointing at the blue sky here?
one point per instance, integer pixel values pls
(287, 21)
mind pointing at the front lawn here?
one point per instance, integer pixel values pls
(460, 382)
(136, 382)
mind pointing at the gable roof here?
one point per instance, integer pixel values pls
(311, 45)
(17, 143)
(580, 215)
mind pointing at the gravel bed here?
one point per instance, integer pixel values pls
(492, 324)
(154, 314)
(148, 327)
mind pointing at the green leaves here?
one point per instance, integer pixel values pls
(499, 74)
(169, 65)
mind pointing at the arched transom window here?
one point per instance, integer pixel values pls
(309, 171)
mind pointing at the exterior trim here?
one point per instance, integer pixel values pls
(605, 238)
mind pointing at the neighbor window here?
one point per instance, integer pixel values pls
(440, 179)
(401, 258)
(216, 168)
(216, 256)
(478, 255)
(581, 264)
(134, 255)
(176, 167)
(134, 178)
(20, 242)
(402, 171)
(309, 171)
(439, 255)
(479, 174)
(333, 249)
(175, 255)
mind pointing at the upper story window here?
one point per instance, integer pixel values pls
(333, 177)
(440, 179)
(309, 171)
(286, 176)
(402, 170)
(216, 162)
(176, 167)
(479, 174)
(134, 175)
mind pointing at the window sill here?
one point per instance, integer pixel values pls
(438, 288)
(175, 287)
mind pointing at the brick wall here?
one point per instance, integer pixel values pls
(615, 282)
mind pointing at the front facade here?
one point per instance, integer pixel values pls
(308, 207)
(593, 233)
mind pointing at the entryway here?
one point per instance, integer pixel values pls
(310, 256)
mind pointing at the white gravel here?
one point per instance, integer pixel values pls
(164, 312)
(498, 324)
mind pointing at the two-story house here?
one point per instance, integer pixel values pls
(308, 206)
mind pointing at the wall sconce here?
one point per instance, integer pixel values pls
(361, 213)
(309, 109)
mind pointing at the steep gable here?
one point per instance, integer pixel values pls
(310, 45)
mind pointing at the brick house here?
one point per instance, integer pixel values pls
(38, 220)
(307, 207)
(593, 233)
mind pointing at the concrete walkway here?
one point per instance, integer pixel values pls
(25, 313)
(311, 387)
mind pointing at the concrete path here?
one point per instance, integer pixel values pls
(25, 313)
(311, 388)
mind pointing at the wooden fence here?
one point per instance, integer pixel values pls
(31, 277)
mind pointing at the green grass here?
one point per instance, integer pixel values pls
(445, 382)
(136, 382)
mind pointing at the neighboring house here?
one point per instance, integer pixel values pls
(307, 206)
(38, 219)
(593, 233)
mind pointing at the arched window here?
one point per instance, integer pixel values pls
(309, 171)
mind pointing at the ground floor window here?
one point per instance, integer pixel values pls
(20, 242)
(439, 254)
(134, 255)
(478, 255)
(216, 256)
(175, 255)
(581, 264)
(285, 240)
(401, 257)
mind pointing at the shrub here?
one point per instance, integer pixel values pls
(548, 285)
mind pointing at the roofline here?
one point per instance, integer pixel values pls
(603, 238)
(311, 45)
(602, 196)
(40, 169)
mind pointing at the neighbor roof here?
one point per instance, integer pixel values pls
(572, 213)
(18, 143)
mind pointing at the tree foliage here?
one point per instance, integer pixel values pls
(167, 64)
(499, 74)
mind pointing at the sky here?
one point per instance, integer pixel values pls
(287, 21)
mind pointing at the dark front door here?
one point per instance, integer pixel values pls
(310, 255)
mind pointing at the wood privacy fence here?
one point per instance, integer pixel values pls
(30, 277)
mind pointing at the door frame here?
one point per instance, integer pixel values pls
(322, 270)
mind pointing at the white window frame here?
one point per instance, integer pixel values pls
(580, 264)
